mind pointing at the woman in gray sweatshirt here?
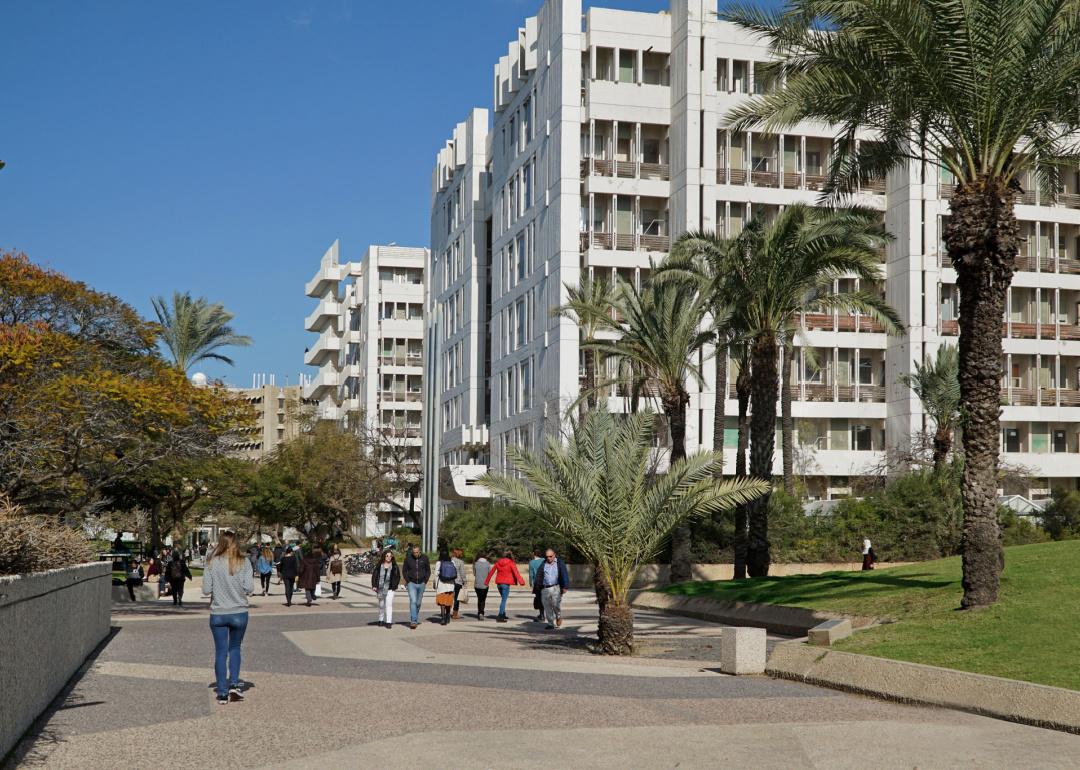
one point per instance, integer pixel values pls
(228, 581)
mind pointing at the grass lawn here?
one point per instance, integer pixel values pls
(1032, 633)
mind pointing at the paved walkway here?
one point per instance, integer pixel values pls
(330, 689)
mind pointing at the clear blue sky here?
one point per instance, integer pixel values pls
(220, 146)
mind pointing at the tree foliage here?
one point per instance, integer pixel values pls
(194, 329)
(937, 385)
(85, 401)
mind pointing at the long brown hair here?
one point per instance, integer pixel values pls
(227, 547)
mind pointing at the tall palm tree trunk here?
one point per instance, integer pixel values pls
(720, 389)
(762, 447)
(742, 393)
(787, 425)
(675, 410)
(982, 239)
(616, 628)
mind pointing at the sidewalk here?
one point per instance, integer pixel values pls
(328, 687)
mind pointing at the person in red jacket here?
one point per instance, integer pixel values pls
(506, 574)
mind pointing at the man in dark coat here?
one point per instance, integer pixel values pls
(290, 569)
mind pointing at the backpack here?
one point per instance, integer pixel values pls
(335, 566)
(447, 572)
(175, 572)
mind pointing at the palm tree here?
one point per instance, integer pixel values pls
(661, 338)
(788, 266)
(937, 385)
(194, 330)
(597, 491)
(589, 305)
(948, 83)
(699, 258)
(742, 514)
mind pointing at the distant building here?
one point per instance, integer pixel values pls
(370, 354)
(277, 419)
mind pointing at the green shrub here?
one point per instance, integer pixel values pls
(1061, 519)
(492, 528)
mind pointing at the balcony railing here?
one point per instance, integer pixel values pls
(399, 360)
(656, 242)
(1068, 332)
(1071, 266)
(817, 392)
(872, 393)
(401, 395)
(874, 186)
(737, 176)
(624, 241)
(1023, 331)
(950, 328)
(655, 171)
(815, 181)
(411, 431)
(625, 168)
(764, 178)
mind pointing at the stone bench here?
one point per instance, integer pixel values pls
(829, 632)
(742, 650)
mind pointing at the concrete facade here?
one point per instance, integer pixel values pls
(51, 622)
(606, 142)
(277, 413)
(369, 354)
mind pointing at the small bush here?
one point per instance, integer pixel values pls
(37, 543)
(491, 528)
(1061, 519)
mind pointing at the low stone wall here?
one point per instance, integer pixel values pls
(655, 575)
(51, 622)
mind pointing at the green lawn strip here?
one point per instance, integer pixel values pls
(1030, 634)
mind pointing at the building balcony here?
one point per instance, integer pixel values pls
(1026, 198)
(324, 383)
(461, 482)
(831, 393)
(844, 322)
(402, 360)
(401, 396)
(325, 348)
(329, 275)
(624, 241)
(1040, 397)
(625, 169)
(400, 431)
(325, 314)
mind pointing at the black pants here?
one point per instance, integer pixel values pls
(289, 583)
(265, 579)
(444, 614)
(337, 588)
(481, 598)
(310, 594)
(131, 583)
(457, 604)
(177, 591)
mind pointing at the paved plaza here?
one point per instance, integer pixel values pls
(328, 688)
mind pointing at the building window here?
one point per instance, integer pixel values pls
(1011, 439)
(519, 309)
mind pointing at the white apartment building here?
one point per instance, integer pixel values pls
(605, 142)
(370, 322)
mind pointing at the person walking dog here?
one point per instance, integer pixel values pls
(385, 579)
(552, 581)
(228, 581)
(506, 574)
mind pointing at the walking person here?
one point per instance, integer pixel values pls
(309, 574)
(445, 585)
(481, 568)
(134, 578)
(385, 579)
(506, 574)
(178, 572)
(290, 569)
(460, 583)
(552, 581)
(868, 555)
(417, 573)
(265, 566)
(279, 551)
(228, 582)
(534, 566)
(335, 570)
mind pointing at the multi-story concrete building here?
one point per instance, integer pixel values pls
(607, 140)
(370, 321)
(277, 418)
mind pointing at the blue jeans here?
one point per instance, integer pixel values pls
(504, 593)
(228, 631)
(416, 594)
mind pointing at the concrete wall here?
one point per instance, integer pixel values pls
(51, 621)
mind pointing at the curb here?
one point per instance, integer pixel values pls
(776, 618)
(1009, 699)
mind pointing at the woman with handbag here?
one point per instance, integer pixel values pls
(445, 583)
(309, 574)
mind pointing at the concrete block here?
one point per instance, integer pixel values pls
(828, 632)
(144, 593)
(742, 650)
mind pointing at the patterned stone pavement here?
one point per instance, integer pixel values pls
(328, 688)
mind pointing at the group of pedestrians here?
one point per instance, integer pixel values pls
(299, 570)
(168, 569)
(548, 578)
